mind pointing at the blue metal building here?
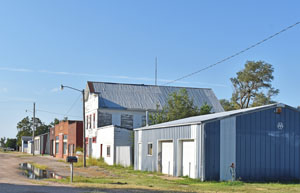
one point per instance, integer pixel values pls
(262, 143)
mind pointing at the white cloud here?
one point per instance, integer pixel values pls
(15, 69)
(62, 73)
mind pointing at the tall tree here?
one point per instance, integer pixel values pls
(25, 127)
(228, 105)
(2, 141)
(11, 143)
(179, 106)
(252, 86)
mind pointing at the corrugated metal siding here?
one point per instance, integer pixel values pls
(149, 163)
(265, 152)
(212, 150)
(147, 97)
(227, 147)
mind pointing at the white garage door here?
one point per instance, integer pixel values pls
(167, 157)
(188, 159)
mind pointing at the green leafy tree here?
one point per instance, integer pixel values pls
(11, 143)
(54, 122)
(228, 105)
(179, 106)
(205, 109)
(252, 86)
(25, 127)
(2, 141)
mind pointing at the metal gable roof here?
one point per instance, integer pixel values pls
(147, 97)
(204, 118)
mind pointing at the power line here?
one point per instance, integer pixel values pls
(234, 55)
(55, 113)
(73, 105)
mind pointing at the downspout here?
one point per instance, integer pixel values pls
(147, 118)
(202, 162)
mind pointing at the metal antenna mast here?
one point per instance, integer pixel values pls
(155, 71)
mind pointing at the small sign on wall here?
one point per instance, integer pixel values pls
(280, 125)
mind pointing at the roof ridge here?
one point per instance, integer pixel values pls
(132, 84)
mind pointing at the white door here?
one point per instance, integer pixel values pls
(188, 158)
(167, 157)
(140, 157)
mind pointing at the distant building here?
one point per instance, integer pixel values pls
(124, 107)
(42, 144)
(255, 144)
(25, 140)
(65, 138)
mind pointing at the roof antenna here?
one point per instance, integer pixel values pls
(155, 71)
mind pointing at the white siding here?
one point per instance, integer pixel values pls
(120, 142)
(227, 146)
(124, 155)
(123, 143)
(105, 136)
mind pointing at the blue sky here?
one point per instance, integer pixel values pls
(46, 43)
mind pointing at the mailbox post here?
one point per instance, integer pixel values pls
(71, 160)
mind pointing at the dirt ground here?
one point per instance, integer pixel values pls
(12, 180)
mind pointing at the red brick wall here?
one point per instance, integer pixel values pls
(75, 134)
(74, 131)
(60, 130)
(61, 141)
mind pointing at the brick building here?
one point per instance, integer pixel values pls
(65, 138)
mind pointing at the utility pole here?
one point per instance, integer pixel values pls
(84, 141)
(83, 105)
(33, 128)
(155, 71)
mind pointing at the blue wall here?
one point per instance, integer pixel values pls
(212, 150)
(264, 152)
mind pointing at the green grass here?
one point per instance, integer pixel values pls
(39, 166)
(127, 178)
(90, 162)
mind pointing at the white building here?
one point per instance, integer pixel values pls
(125, 106)
(114, 144)
(25, 141)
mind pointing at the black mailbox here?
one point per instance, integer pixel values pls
(72, 159)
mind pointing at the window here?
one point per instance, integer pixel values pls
(94, 119)
(56, 147)
(65, 136)
(127, 121)
(87, 122)
(108, 151)
(94, 139)
(56, 138)
(104, 119)
(65, 148)
(149, 148)
(90, 121)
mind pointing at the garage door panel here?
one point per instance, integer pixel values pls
(188, 158)
(167, 158)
